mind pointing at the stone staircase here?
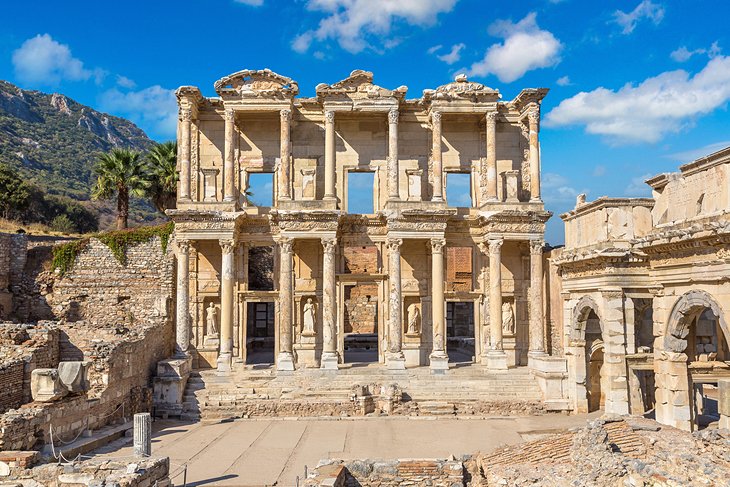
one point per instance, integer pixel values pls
(357, 391)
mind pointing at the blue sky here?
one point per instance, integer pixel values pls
(637, 86)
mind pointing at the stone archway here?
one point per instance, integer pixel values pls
(581, 315)
(585, 355)
(685, 311)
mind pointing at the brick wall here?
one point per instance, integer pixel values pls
(11, 385)
(389, 473)
(361, 308)
(361, 259)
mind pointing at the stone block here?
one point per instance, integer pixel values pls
(46, 386)
(496, 360)
(439, 364)
(723, 404)
(73, 376)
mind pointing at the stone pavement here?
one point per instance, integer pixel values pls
(276, 451)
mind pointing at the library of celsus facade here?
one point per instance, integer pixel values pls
(306, 283)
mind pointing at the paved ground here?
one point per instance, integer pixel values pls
(276, 451)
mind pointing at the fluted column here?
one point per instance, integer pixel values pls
(439, 359)
(496, 357)
(436, 157)
(537, 324)
(393, 190)
(492, 156)
(226, 353)
(330, 357)
(394, 358)
(229, 148)
(329, 155)
(285, 155)
(182, 318)
(186, 117)
(534, 117)
(285, 359)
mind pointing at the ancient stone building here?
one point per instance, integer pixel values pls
(645, 296)
(305, 282)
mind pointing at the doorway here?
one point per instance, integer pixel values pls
(260, 335)
(460, 331)
(361, 323)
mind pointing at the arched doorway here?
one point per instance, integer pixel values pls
(697, 333)
(587, 348)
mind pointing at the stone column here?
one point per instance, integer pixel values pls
(228, 155)
(142, 435)
(186, 116)
(226, 353)
(492, 156)
(537, 322)
(329, 155)
(330, 358)
(394, 358)
(723, 403)
(439, 359)
(182, 319)
(393, 190)
(437, 166)
(496, 357)
(534, 118)
(285, 155)
(285, 360)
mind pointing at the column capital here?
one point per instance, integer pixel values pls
(436, 117)
(495, 245)
(186, 114)
(286, 244)
(285, 115)
(533, 115)
(491, 117)
(437, 245)
(329, 244)
(229, 114)
(536, 246)
(393, 244)
(227, 245)
(393, 115)
(183, 244)
(483, 247)
(329, 116)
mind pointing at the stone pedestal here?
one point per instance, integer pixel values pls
(510, 349)
(212, 341)
(395, 361)
(285, 362)
(329, 361)
(168, 386)
(306, 351)
(46, 386)
(439, 364)
(497, 360)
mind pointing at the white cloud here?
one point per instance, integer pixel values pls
(125, 82)
(252, 3)
(432, 50)
(693, 154)
(563, 81)
(683, 54)
(646, 112)
(599, 171)
(637, 186)
(557, 189)
(42, 60)
(154, 107)
(645, 10)
(525, 47)
(454, 55)
(358, 24)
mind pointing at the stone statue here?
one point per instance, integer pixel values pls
(414, 319)
(211, 316)
(508, 319)
(310, 316)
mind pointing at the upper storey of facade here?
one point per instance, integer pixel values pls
(416, 150)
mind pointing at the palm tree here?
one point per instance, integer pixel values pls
(120, 171)
(162, 175)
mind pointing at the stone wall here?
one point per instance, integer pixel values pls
(388, 473)
(12, 262)
(361, 308)
(139, 473)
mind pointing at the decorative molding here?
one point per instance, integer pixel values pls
(285, 115)
(329, 116)
(437, 245)
(393, 244)
(227, 246)
(393, 115)
(329, 244)
(495, 246)
(286, 245)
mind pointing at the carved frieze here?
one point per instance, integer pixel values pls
(462, 89)
(262, 83)
(359, 85)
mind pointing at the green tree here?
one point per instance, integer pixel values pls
(120, 172)
(15, 194)
(162, 175)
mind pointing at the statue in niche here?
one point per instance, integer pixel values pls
(508, 319)
(414, 319)
(211, 320)
(310, 316)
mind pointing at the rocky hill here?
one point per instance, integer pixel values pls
(53, 141)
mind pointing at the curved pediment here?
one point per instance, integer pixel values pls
(262, 83)
(461, 89)
(358, 85)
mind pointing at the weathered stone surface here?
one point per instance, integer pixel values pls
(73, 376)
(46, 386)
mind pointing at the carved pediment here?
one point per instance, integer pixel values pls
(262, 83)
(461, 88)
(358, 85)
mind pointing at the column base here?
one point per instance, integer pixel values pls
(329, 361)
(438, 362)
(224, 362)
(532, 355)
(496, 360)
(535, 200)
(285, 362)
(437, 199)
(395, 361)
